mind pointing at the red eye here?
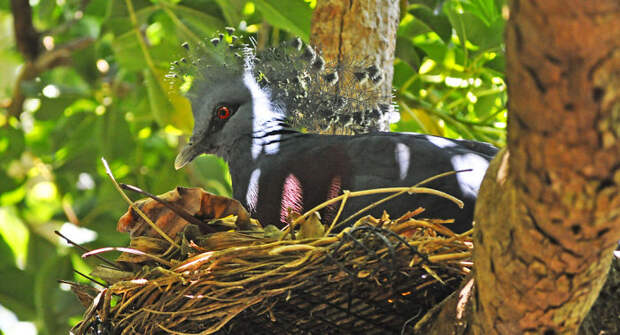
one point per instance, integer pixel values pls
(222, 112)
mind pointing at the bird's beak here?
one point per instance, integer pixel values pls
(187, 154)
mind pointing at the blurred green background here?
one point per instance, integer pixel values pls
(111, 101)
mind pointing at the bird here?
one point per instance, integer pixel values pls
(250, 108)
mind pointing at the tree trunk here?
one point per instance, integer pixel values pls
(359, 30)
(547, 217)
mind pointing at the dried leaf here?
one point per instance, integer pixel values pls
(150, 245)
(311, 227)
(197, 202)
(85, 293)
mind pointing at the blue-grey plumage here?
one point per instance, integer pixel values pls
(248, 109)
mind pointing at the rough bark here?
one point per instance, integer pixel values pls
(548, 213)
(359, 30)
(604, 314)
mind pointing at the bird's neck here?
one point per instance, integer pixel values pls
(259, 137)
(248, 155)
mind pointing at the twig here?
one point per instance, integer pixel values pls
(344, 201)
(176, 209)
(449, 257)
(390, 197)
(400, 190)
(135, 208)
(90, 278)
(85, 250)
(129, 251)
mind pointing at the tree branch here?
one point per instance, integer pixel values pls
(26, 36)
(547, 212)
(38, 61)
(44, 62)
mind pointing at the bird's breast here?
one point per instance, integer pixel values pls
(299, 182)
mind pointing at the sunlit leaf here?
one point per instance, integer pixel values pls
(435, 50)
(167, 104)
(197, 23)
(438, 21)
(127, 52)
(291, 15)
(470, 27)
(410, 27)
(232, 10)
(117, 19)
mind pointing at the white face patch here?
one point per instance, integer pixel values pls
(469, 181)
(251, 196)
(263, 117)
(440, 142)
(402, 154)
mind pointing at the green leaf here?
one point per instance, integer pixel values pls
(167, 104)
(486, 37)
(7, 258)
(438, 22)
(456, 20)
(127, 52)
(213, 172)
(72, 146)
(405, 50)
(8, 184)
(12, 143)
(16, 292)
(97, 8)
(485, 105)
(486, 10)
(117, 19)
(46, 9)
(404, 75)
(53, 108)
(470, 27)
(412, 28)
(47, 292)
(39, 249)
(497, 64)
(290, 15)
(429, 3)
(116, 139)
(232, 10)
(435, 50)
(200, 25)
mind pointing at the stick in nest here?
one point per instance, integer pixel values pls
(395, 190)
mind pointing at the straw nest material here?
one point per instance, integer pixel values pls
(226, 274)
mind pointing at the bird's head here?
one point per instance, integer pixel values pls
(237, 91)
(221, 114)
(224, 96)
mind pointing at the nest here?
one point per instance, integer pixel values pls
(378, 276)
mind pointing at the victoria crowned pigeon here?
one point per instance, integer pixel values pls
(248, 108)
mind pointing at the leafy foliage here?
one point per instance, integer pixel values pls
(112, 101)
(449, 75)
